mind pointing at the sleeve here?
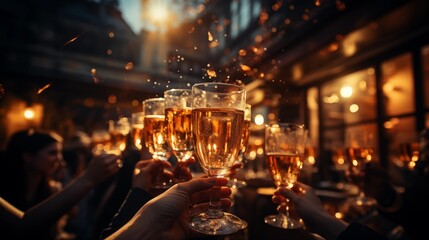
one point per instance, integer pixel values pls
(357, 231)
(135, 199)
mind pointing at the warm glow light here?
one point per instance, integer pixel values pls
(311, 160)
(158, 13)
(346, 91)
(260, 151)
(252, 155)
(259, 119)
(388, 125)
(338, 215)
(354, 108)
(29, 113)
(331, 99)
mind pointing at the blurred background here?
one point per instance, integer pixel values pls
(338, 66)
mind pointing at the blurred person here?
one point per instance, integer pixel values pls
(166, 216)
(405, 204)
(310, 208)
(108, 197)
(77, 154)
(144, 178)
(31, 150)
(32, 159)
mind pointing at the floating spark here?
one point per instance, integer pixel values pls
(210, 36)
(72, 40)
(43, 88)
(211, 73)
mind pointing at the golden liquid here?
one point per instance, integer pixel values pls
(217, 134)
(357, 158)
(179, 132)
(155, 134)
(137, 135)
(118, 140)
(284, 168)
(245, 137)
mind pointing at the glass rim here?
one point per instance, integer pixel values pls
(178, 89)
(154, 99)
(240, 88)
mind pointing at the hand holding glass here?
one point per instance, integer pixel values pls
(155, 132)
(284, 152)
(359, 153)
(217, 123)
(178, 109)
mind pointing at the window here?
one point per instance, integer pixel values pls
(398, 85)
(313, 109)
(425, 58)
(245, 14)
(398, 91)
(256, 9)
(234, 19)
(349, 99)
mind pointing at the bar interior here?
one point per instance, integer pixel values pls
(354, 73)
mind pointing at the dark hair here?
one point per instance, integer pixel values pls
(30, 141)
(12, 176)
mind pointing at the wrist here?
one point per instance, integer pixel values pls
(330, 226)
(392, 201)
(87, 181)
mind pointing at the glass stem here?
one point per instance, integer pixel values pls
(214, 207)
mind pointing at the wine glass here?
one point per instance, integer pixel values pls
(284, 153)
(178, 110)
(155, 134)
(217, 123)
(118, 130)
(409, 150)
(234, 182)
(359, 153)
(137, 120)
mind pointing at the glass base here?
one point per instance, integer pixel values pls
(282, 222)
(226, 224)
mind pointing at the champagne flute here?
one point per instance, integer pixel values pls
(137, 124)
(217, 122)
(118, 131)
(409, 150)
(234, 182)
(155, 134)
(359, 153)
(284, 153)
(178, 110)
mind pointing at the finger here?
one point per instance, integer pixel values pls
(288, 194)
(144, 163)
(155, 164)
(299, 187)
(278, 199)
(190, 160)
(108, 158)
(201, 184)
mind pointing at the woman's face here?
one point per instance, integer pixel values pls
(48, 160)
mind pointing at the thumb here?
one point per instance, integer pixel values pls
(285, 192)
(200, 184)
